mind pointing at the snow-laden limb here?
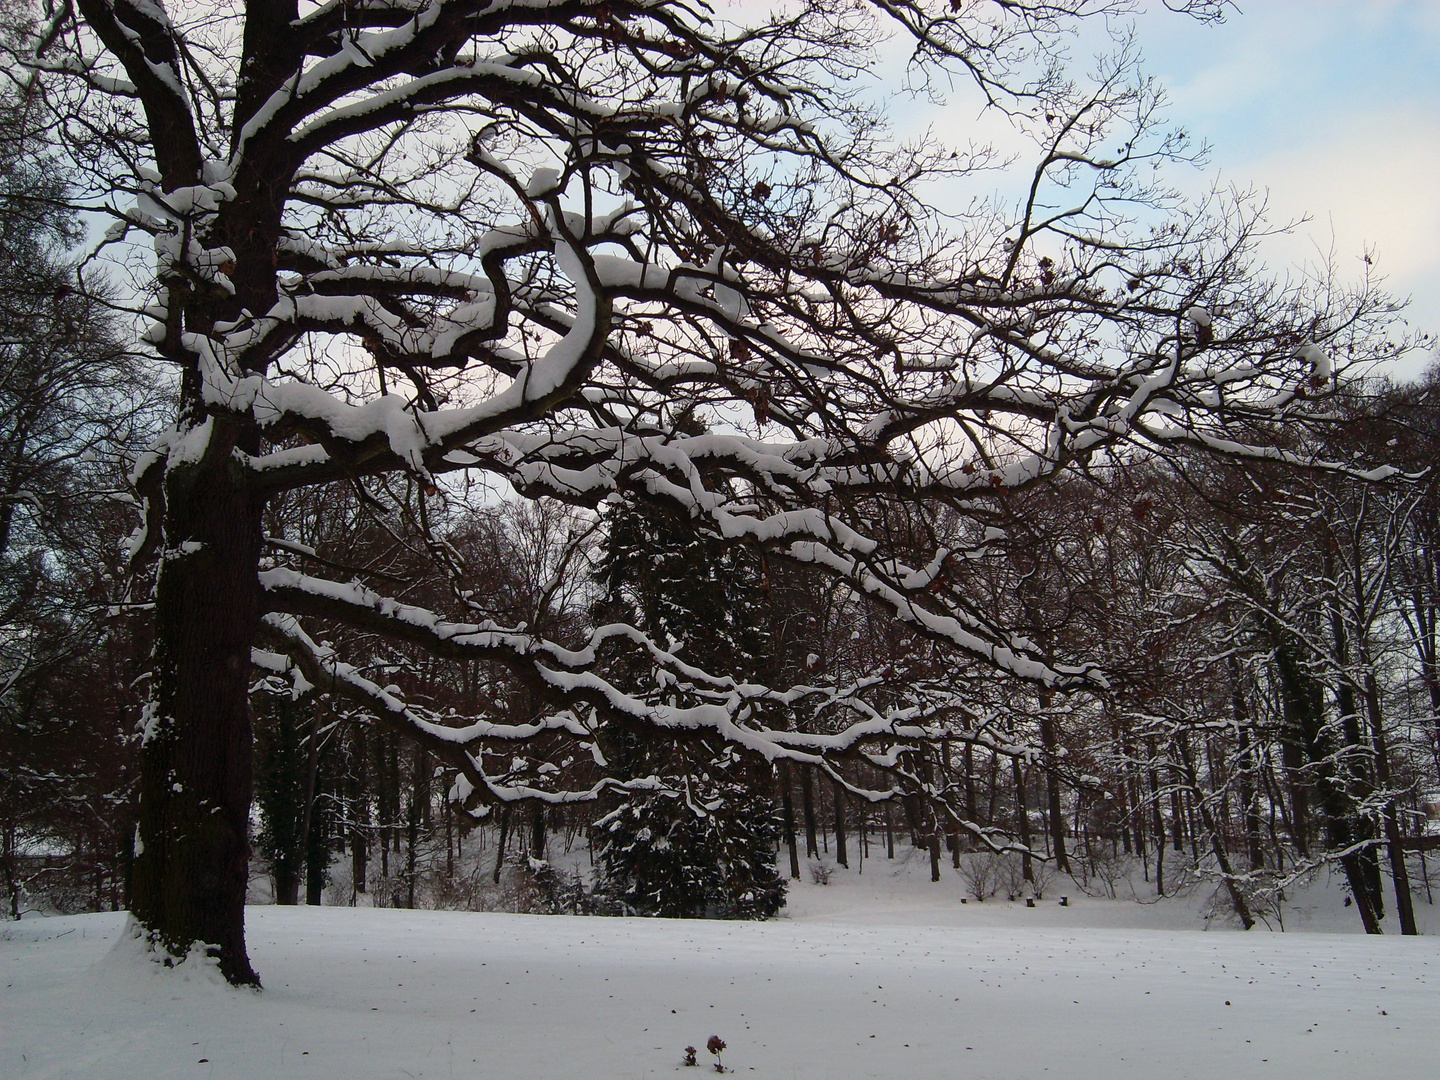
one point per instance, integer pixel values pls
(572, 675)
(466, 744)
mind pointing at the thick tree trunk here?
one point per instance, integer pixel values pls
(287, 882)
(193, 850)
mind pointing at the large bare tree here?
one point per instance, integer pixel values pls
(530, 239)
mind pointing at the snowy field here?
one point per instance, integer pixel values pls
(878, 976)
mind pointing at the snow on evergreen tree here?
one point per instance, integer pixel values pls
(705, 845)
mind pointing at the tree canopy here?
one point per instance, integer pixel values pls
(393, 241)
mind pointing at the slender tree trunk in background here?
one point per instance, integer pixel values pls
(7, 858)
(1192, 824)
(1159, 825)
(1246, 766)
(1424, 620)
(993, 786)
(1399, 872)
(192, 862)
(412, 827)
(1343, 784)
(889, 831)
(1124, 809)
(1272, 787)
(787, 804)
(911, 805)
(1293, 759)
(1052, 785)
(537, 831)
(390, 779)
(842, 855)
(359, 816)
(500, 847)
(1222, 859)
(1137, 800)
(317, 863)
(972, 808)
(1022, 819)
(934, 846)
(1220, 778)
(315, 854)
(807, 806)
(1298, 734)
(382, 802)
(449, 845)
(1344, 829)
(1217, 843)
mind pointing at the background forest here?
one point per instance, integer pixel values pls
(1271, 635)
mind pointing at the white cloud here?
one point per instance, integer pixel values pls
(1368, 185)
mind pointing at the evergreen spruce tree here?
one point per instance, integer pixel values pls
(280, 766)
(706, 846)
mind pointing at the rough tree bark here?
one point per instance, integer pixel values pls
(192, 862)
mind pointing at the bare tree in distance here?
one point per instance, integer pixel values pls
(411, 238)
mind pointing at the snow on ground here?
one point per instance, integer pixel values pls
(877, 975)
(893, 892)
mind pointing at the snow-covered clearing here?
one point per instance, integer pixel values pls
(874, 976)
